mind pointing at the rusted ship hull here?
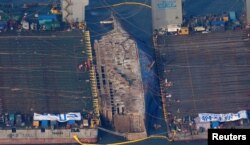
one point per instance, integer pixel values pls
(119, 82)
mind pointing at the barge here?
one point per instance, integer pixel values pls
(45, 72)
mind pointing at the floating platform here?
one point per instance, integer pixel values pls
(44, 72)
(203, 73)
(40, 72)
(208, 72)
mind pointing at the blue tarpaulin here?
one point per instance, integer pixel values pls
(47, 17)
(217, 23)
(71, 122)
(215, 124)
(44, 123)
(3, 25)
(232, 16)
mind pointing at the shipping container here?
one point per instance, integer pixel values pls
(218, 23)
(44, 123)
(55, 11)
(71, 122)
(36, 124)
(173, 28)
(166, 12)
(12, 118)
(225, 19)
(42, 19)
(232, 16)
(42, 22)
(184, 31)
(47, 17)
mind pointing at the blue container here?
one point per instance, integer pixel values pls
(232, 16)
(44, 123)
(42, 22)
(47, 17)
(215, 124)
(218, 23)
(71, 122)
(3, 25)
(12, 118)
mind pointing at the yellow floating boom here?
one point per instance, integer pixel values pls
(125, 142)
(124, 3)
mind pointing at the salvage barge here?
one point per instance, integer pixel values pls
(205, 82)
(119, 83)
(47, 73)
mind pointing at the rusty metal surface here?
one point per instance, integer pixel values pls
(119, 80)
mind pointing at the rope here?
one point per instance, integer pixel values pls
(126, 142)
